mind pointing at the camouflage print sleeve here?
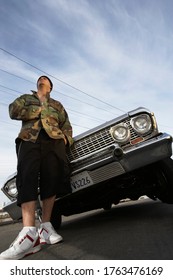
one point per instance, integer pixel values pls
(17, 109)
(65, 126)
(23, 110)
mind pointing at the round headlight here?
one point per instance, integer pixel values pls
(120, 132)
(141, 124)
(11, 188)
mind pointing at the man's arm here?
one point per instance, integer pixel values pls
(66, 127)
(19, 110)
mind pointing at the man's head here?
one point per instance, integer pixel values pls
(45, 81)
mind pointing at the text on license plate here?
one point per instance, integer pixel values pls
(81, 180)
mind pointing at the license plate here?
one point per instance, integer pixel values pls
(81, 180)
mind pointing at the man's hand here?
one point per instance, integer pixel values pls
(65, 141)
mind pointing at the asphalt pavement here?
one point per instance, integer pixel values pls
(140, 230)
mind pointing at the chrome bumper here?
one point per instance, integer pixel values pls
(107, 163)
(13, 210)
(148, 152)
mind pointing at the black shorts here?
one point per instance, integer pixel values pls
(42, 166)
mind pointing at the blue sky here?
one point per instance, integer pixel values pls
(116, 51)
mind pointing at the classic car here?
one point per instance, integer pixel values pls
(127, 157)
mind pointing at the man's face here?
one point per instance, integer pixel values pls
(43, 82)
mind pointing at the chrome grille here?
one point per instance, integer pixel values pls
(91, 144)
(97, 141)
(106, 172)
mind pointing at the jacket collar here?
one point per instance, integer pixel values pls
(35, 94)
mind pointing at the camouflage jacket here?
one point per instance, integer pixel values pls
(49, 115)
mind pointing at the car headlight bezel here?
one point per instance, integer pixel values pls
(142, 124)
(120, 133)
(10, 189)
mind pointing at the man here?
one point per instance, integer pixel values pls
(42, 162)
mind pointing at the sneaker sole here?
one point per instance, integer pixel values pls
(24, 254)
(43, 241)
(33, 250)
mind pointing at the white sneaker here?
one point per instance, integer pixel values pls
(48, 235)
(26, 243)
